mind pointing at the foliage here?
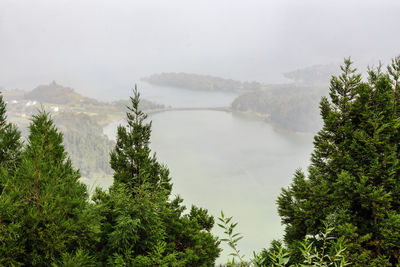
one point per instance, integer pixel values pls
(131, 159)
(10, 157)
(313, 257)
(140, 226)
(354, 173)
(276, 255)
(292, 108)
(81, 119)
(76, 259)
(43, 207)
(46, 218)
(331, 253)
(10, 144)
(54, 93)
(232, 240)
(130, 226)
(85, 143)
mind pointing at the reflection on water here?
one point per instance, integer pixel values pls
(221, 161)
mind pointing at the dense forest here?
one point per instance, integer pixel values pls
(345, 211)
(292, 108)
(85, 143)
(81, 119)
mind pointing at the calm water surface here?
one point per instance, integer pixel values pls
(177, 97)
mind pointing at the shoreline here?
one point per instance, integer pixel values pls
(266, 118)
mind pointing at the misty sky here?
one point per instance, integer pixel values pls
(98, 47)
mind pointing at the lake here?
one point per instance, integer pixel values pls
(225, 161)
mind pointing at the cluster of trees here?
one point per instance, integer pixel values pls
(80, 119)
(85, 143)
(46, 218)
(346, 212)
(353, 181)
(202, 82)
(57, 94)
(317, 74)
(292, 108)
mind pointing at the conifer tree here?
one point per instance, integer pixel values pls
(49, 218)
(354, 176)
(10, 144)
(131, 159)
(10, 149)
(141, 226)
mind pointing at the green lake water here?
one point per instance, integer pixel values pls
(224, 161)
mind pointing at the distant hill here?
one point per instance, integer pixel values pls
(54, 93)
(81, 119)
(291, 107)
(316, 74)
(201, 82)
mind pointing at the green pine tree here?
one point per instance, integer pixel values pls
(50, 217)
(353, 180)
(10, 144)
(131, 159)
(141, 226)
(10, 150)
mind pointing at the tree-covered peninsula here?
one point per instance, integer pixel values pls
(199, 82)
(290, 107)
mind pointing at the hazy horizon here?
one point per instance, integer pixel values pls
(98, 47)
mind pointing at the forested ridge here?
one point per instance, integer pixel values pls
(294, 106)
(291, 108)
(85, 143)
(344, 211)
(81, 120)
(201, 82)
